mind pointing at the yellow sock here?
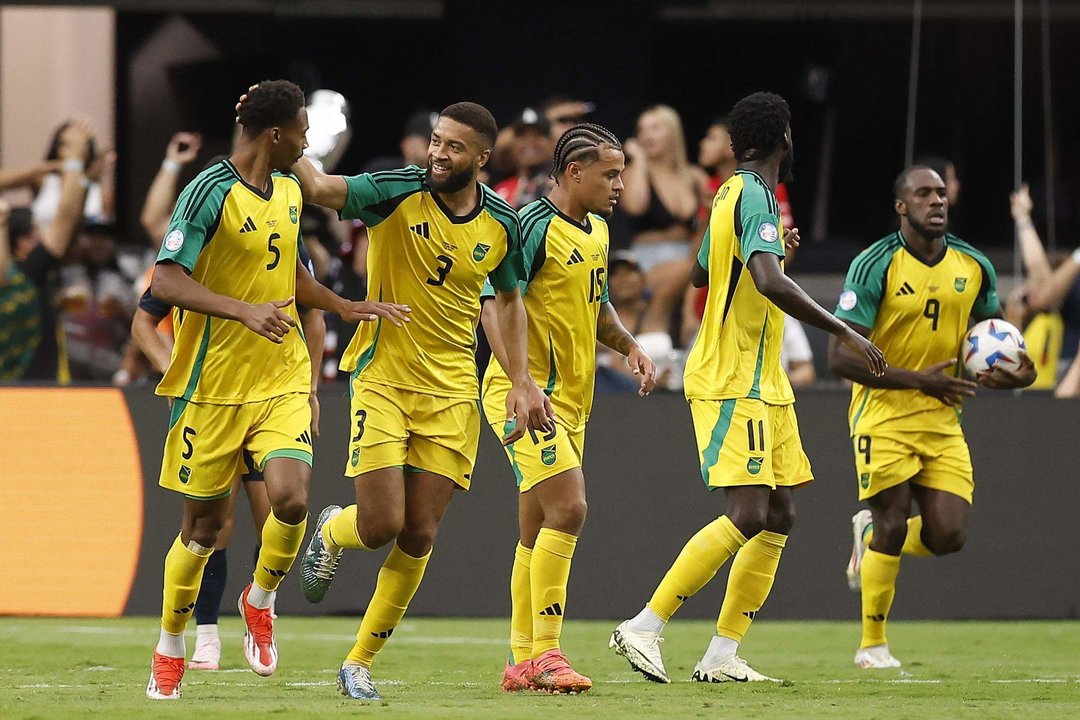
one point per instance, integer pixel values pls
(183, 575)
(879, 573)
(913, 544)
(696, 565)
(749, 583)
(521, 619)
(341, 531)
(398, 579)
(280, 543)
(549, 573)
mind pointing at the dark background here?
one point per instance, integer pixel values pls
(646, 499)
(184, 71)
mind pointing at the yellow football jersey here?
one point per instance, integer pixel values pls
(240, 242)
(737, 351)
(422, 255)
(917, 313)
(567, 281)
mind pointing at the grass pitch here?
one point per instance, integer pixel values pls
(438, 668)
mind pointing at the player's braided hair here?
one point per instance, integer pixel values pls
(581, 144)
(757, 125)
(273, 103)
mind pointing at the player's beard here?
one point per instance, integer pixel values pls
(454, 182)
(786, 166)
(928, 232)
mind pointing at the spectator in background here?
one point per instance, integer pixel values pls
(530, 150)
(626, 290)
(29, 344)
(97, 303)
(182, 149)
(100, 201)
(1047, 304)
(563, 112)
(716, 158)
(661, 197)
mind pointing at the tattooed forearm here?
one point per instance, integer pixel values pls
(610, 331)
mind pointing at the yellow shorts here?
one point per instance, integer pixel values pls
(936, 461)
(418, 432)
(538, 455)
(748, 442)
(205, 447)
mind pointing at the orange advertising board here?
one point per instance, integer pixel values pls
(71, 502)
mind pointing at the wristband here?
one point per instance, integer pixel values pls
(1076, 256)
(170, 166)
(74, 165)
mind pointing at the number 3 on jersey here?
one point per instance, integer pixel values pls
(445, 263)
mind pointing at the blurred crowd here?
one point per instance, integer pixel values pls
(70, 285)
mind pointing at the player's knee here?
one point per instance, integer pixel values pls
(945, 543)
(568, 516)
(749, 520)
(376, 534)
(205, 530)
(418, 540)
(890, 531)
(781, 519)
(293, 509)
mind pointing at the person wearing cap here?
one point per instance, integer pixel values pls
(564, 112)
(530, 153)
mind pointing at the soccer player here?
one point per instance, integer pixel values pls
(913, 292)
(435, 235)
(566, 299)
(741, 401)
(228, 262)
(144, 331)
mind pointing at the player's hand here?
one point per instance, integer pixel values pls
(356, 311)
(183, 147)
(313, 401)
(947, 388)
(791, 239)
(641, 364)
(268, 320)
(243, 99)
(863, 348)
(1001, 378)
(527, 407)
(1020, 204)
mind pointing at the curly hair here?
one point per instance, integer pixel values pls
(581, 144)
(757, 125)
(475, 116)
(273, 103)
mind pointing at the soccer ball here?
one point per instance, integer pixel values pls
(989, 343)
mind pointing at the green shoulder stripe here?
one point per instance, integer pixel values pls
(198, 190)
(872, 256)
(535, 245)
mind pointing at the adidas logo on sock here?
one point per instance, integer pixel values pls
(553, 609)
(905, 289)
(750, 614)
(575, 258)
(249, 225)
(421, 229)
(185, 610)
(384, 634)
(274, 573)
(683, 598)
(876, 618)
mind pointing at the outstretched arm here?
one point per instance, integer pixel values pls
(329, 191)
(313, 294)
(782, 291)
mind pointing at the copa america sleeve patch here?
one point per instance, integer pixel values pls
(768, 232)
(848, 300)
(174, 241)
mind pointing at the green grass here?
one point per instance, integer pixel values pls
(67, 668)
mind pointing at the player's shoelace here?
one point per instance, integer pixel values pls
(326, 564)
(168, 672)
(260, 624)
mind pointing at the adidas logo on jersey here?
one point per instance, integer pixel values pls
(905, 289)
(553, 609)
(421, 229)
(575, 258)
(249, 225)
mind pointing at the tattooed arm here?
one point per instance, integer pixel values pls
(610, 332)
